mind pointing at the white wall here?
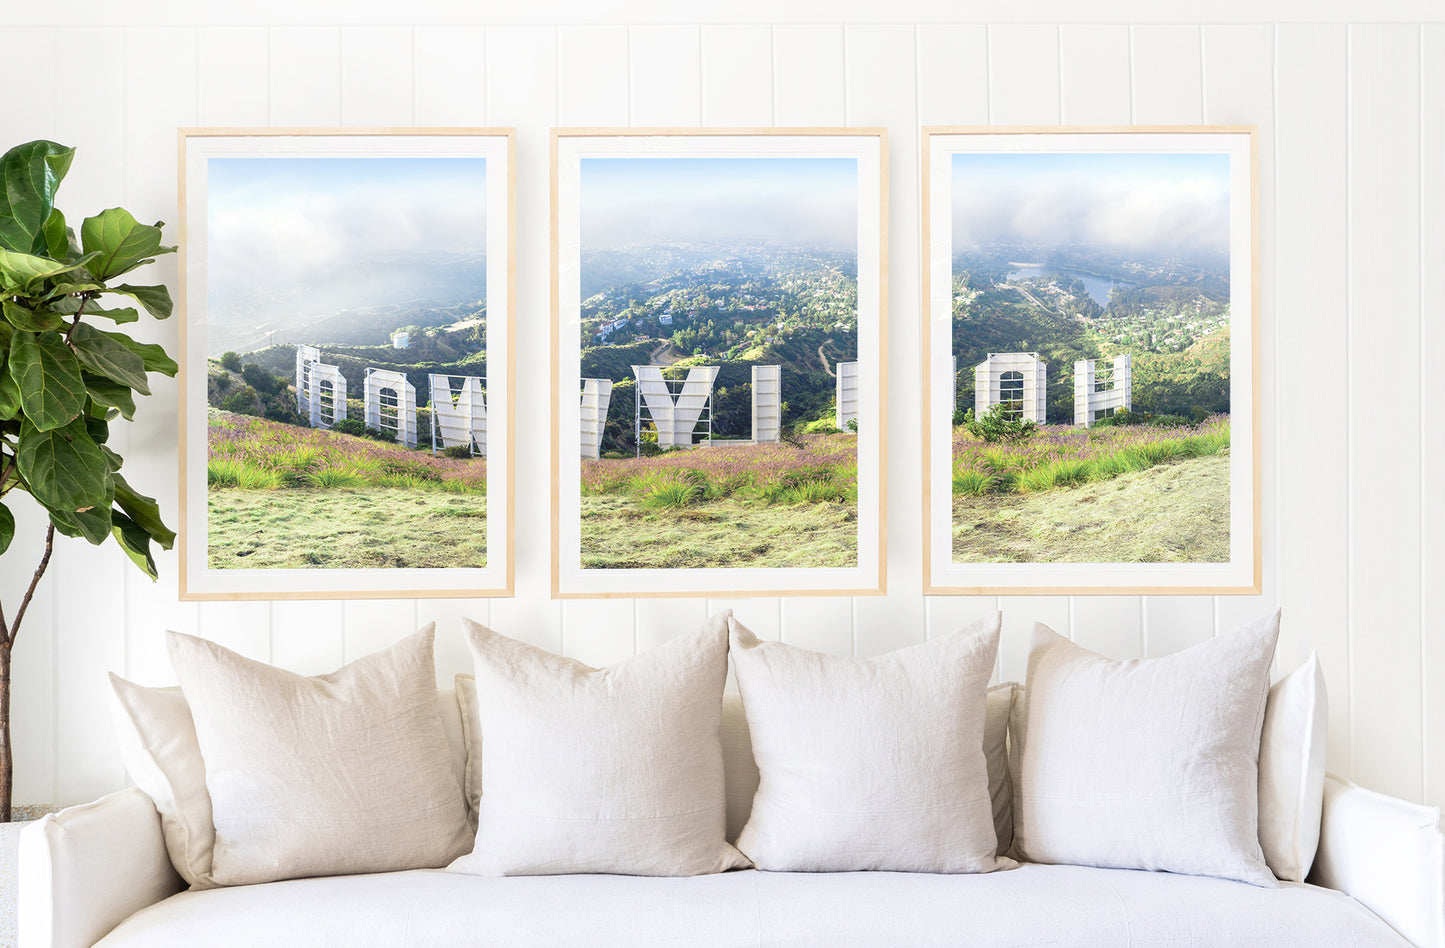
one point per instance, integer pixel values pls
(1353, 196)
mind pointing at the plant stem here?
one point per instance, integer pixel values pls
(7, 649)
(14, 628)
(75, 320)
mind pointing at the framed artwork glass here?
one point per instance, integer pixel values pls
(718, 361)
(347, 365)
(1090, 350)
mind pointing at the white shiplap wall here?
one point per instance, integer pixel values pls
(1353, 194)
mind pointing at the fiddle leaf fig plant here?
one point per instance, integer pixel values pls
(64, 380)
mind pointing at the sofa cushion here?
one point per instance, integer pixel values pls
(346, 772)
(1292, 770)
(870, 763)
(1147, 763)
(600, 770)
(1032, 905)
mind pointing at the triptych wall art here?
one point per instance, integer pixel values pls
(718, 362)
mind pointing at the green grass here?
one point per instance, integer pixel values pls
(1165, 513)
(364, 527)
(619, 532)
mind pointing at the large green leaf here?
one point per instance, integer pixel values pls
(126, 314)
(93, 524)
(9, 396)
(31, 320)
(156, 299)
(136, 543)
(123, 244)
(154, 355)
(109, 394)
(63, 467)
(29, 176)
(102, 355)
(21, 271)
(144, 511)
(60, 242)
(7, 527)
(48, 375)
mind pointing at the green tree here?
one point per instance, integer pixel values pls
(63, 381)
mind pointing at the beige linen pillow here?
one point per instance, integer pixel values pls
(871, 763)
(616, 770)
(159, 749)
(342, 773)
(1292, 771)
(1146, 763)
(995, 753)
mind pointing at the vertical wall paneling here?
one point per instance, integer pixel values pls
(665, 83)
(1239, 90)
(881, 70)
(1168, 83)
(1094, 89)
(808, 82)
(33, 695)
(952, 75)
(737, 76)
(522, 91)
(452, 655)
(1167, 90)
(660, 620)
(1173, 623)
(305, 76)
(307, 635)
(375, 624)
(1353, 193)
(1024, 90)
(376, 76)
(1094, 81)
(89, 582)
(243, 627)
(1384, 417)
(1432, 446)
(1311, 293)
(600, 632)
(822, 624)
(1019, 615)
(160, 94)
(592, 75)
(450, 84)
(1023, 63)
(231, 77)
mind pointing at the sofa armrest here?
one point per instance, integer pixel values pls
(84, 870)
(1388, 855)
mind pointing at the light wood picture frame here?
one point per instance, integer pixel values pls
(347, 416)
(1102, 283)
(719, 361)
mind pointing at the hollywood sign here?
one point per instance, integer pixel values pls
(458, 403)
(675, 408)
(1019, 381)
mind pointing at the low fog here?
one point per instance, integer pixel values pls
(1107, 204)
(636, 202)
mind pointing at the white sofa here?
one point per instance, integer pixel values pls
(98, 874)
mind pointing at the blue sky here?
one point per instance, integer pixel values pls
(1124, 202)
(655, 200)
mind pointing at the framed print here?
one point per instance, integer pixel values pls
(718, 361)
(1090, 358)
(347, 368)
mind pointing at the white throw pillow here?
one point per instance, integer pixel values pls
(159, 749)
(466, 686)
(1292, 771)
(338, 774)
(616, 770)
(1145, 763)
(871, 763)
